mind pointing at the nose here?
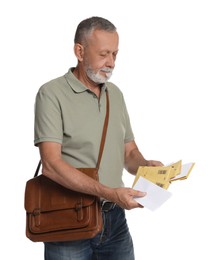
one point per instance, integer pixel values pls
(110, 62)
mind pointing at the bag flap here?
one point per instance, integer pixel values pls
(41, 193)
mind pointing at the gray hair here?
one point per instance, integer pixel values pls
(88, 25)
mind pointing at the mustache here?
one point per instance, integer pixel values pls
(107, 70)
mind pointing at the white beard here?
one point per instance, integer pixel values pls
(97, 78)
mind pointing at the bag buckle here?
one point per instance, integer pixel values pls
(36, 215)
(79, 210)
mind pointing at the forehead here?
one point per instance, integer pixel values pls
(101, 39)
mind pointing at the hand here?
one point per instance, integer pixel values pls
(154, 163)
(124, 197)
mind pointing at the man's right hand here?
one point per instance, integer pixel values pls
(124, 197)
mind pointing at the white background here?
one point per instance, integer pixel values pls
(162, 69)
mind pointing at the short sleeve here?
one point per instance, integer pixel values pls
(48, 120)
(129, 136)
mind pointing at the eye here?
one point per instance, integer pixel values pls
(103, 54)
(115, 55)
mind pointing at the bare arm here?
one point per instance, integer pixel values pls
(55, 168)
(134, 158)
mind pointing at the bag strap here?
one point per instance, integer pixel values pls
(102, 143)
(37, 169)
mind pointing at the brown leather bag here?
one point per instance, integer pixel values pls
(55, 213)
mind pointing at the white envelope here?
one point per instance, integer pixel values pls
(155, 196)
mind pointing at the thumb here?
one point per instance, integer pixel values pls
(139, 194)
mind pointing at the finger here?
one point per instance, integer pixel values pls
(135, 204)
(139, 194)
(140, 206)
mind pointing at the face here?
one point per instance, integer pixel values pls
(100, 55)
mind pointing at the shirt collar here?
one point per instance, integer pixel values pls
(77, 85)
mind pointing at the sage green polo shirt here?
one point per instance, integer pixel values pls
(68, 113)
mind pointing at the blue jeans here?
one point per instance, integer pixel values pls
(113, 243)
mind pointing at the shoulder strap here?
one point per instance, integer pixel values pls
(102, 143)
(37, 169)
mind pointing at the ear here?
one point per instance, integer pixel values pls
(79, 51)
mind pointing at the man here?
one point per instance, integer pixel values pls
(69, 116)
